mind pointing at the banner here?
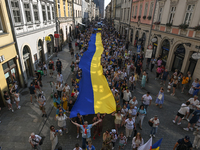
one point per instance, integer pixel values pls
(95, 95)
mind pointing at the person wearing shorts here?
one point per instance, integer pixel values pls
(32, 92)
(122, 140)
(183, 111)
(8, 101)
(41, 102)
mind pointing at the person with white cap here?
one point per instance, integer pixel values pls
(114, 137)
(193, 103)
(194, 119)
(34, 140)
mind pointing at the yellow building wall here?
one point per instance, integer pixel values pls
(9, 52)
(62, 8)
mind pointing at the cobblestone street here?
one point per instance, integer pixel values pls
(16, 127)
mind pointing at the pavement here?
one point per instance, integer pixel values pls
(16, 127)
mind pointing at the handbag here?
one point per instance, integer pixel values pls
(160, 96)
(169, 87)
(150, 123)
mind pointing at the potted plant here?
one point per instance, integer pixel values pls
(139, 17)
(149, 17)
(168, 24)
(183, 26)
(157, 23)
(134, 17)
(144, 17)
(197, 27)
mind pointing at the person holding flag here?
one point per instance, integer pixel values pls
(86, 131)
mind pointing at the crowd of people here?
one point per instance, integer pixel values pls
(123, 70)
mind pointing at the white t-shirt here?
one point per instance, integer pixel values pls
(78, 149)
(132, 79)
(133, 102)
(184, 109)
(193, 103)
(146, 99)
(129, 124)
(155, 122)
(124, 111)
(37, 139)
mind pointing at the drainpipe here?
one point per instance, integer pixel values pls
(152, 21)
(129, 22)
(15, 40)
(73, 16)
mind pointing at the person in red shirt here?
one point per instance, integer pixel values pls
(162, 68)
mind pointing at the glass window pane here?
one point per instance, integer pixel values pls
(11, 62)
(5, 66)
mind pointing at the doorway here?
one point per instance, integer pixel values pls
(27, 61)
(179, 57)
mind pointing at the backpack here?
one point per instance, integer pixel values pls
(182, 146)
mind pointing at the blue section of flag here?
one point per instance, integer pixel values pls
(157, 144)
(85, 101)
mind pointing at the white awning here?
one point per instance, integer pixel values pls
(81, 24)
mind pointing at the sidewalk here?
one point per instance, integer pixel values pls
(16, 127)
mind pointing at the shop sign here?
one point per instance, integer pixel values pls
(2, 58)
(138, 48)
(165, 48)
(148, 53)
(47, 38)
(56, 35)
(196, 56)
(154, 40)
(155, 44)
(150, 47)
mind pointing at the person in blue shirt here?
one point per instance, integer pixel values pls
(90, 146)
(86, 131)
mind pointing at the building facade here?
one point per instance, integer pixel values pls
(125, 17)
(141, 20)
(64, 21)
(100, 5)
(10, 69)
(117, 14)
(78, 11)
(108, 12)
(176, 33)
(34, 26)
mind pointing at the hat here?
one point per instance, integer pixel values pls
(113, 131)
(198, 106)
(155, 115)
(187, 137)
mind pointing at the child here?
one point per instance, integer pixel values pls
(122, 140)
(114, 137)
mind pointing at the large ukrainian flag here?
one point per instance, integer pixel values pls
(94, 93)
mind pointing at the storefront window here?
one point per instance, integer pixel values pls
(10, 72)
(165, 51)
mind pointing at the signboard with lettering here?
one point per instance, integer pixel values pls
(148, 53)
(138, 48)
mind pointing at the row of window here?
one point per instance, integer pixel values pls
(78, 13)
(187, 19)
(188, 14)
(135, 10)
(64, 8)
(77, 2)
(16, 11)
